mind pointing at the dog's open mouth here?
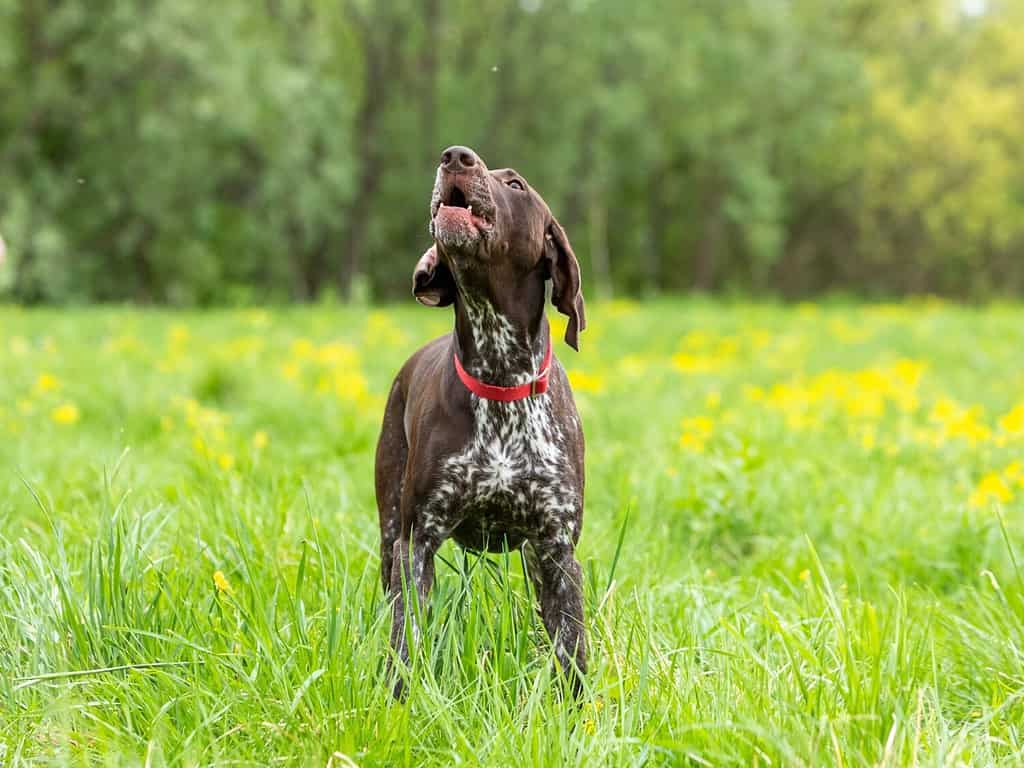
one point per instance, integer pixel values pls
(459, 212)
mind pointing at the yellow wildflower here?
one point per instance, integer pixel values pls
(805, 574)
(908, 372)
(697, 430)
(260, 440)
(701, 425)
(692, 442)
(704, 363)
(1013, 422)
(65, 414)
(713, 400)
(350, 385)
(46, 383)
(226, 461)
(958, 422)
(178, 335)
(302, 348)
(222, 583)
(991, 488)
(586, 382)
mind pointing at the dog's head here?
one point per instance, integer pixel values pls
(490, 227)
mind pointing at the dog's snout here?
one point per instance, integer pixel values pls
(457, 159)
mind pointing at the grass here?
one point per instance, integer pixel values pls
(800, 545)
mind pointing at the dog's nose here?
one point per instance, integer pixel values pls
(458, 159)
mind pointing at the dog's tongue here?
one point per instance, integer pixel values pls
(454, 215)
(456, 226)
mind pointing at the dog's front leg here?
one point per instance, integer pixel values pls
(412, 576)
(561, 607)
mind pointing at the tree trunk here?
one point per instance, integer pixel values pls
(380, 62)
(713, 222)
(599, 261)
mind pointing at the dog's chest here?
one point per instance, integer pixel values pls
(512, 472)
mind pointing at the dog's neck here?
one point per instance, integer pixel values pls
(501, 335)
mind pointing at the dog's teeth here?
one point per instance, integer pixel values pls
(471, 209)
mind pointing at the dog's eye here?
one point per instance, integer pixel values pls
(516, 184)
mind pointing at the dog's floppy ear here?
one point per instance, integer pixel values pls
(566, 292)
(432, 283)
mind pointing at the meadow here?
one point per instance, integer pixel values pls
(801, 545)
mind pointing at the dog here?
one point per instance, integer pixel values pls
(481, 440)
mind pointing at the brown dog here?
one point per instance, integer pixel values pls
(481, 440)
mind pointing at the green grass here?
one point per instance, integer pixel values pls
(819, 514)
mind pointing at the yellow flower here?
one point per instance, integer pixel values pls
(692, 442)
(347, 385)
(944, 410)
(959, 422)
(222, 583)
(991, 488)
(226, 461)
(805, 575)
(908, 372)
(596, 706)
(699, 363)
(701, 425)
(65, 414)
(260, 440)
(178, 335)
(46, 383)
(302, 348)
(713, 400)
(1013, 422)
(697, 430)
(586, 382)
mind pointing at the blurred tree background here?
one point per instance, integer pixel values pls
(192, 152)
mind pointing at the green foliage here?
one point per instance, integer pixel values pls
(801, 545)
(176, 151)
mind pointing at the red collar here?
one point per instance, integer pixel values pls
(506, 394)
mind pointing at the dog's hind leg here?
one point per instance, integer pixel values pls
(389, 471)
(532, 563)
